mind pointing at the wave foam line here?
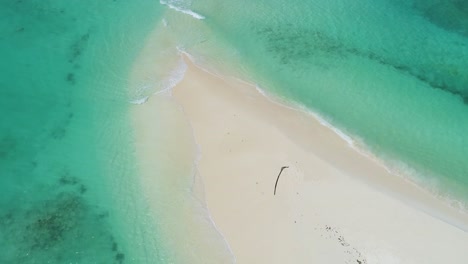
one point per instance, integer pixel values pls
(140, 100)
(167, 84)
(175, 76)
(185, 11)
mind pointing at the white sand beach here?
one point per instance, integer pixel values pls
(333, 205)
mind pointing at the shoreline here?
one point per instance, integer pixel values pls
(388, 188)
(407, 175)
(443, 204)
(396, 168)
(406, 187)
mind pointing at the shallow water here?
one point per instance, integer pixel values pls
(66, 186)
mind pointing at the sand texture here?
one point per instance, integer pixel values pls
(332, 204)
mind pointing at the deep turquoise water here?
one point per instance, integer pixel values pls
(390, 73)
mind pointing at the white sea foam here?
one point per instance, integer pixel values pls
(174, 77)
(140, 100)
(319, 118)
(182, 10)
(140, 95)
(168, 81)
(324, 122)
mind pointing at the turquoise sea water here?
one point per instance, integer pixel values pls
(65, 141)
(390, 73)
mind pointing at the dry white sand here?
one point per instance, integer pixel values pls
(333, 205)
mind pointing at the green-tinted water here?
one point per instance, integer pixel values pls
(65, 142)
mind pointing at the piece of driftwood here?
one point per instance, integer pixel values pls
(277, 178)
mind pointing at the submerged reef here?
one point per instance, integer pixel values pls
(302, 48)
(290, 45)
(451, 15)
(77, 47)
(58, 219)
(7, 146)
(60, 130)
(63, 228)
(76, 50)
(70, 78)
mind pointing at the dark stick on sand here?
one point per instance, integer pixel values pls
(277, 178)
